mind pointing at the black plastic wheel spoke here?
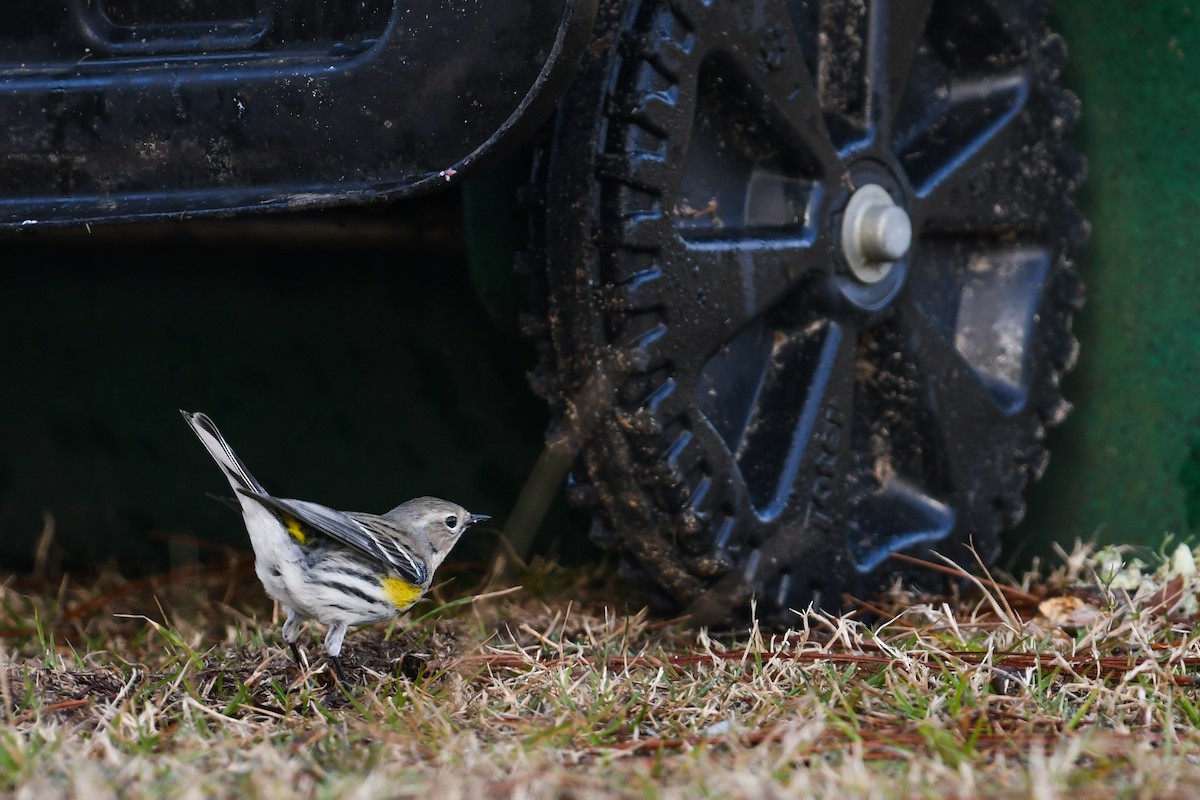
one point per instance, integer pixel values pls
(984, 294)
(964, 162)
(717, 291)
(896, 31)
(899, 495)
(762, 44)
(803, 491)
(960, 402)
(896, 516)
(822, 439)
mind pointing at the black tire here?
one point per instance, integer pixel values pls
(755, 421)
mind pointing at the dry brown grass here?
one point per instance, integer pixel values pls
(1081, 683)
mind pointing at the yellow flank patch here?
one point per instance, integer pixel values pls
(293, 527)
(400, 593)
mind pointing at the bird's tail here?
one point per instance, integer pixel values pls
(235, 471)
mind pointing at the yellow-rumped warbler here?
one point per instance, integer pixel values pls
(340, 568)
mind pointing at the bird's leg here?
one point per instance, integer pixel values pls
(291, 632)
(341, 673)
(333, 646)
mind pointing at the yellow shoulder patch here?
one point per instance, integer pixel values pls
(293, 527)
(400, 593)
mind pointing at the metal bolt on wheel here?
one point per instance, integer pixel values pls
(876, 233)
(821, 253)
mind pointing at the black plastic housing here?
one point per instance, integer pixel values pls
(115, 110)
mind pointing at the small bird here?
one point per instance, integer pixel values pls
(340, 568)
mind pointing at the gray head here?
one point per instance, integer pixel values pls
(441, 521)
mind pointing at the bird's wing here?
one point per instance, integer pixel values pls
(352, 532)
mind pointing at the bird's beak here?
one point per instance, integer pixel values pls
(477, 518)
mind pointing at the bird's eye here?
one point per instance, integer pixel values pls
(451, 522)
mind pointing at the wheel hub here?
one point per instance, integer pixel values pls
(876, 233)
